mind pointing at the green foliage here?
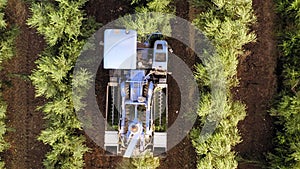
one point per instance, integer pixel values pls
(3, 144)
(146, 161)
(289, 36)
(2, 21)
(287, 109)
(64, 27)
(148, 18)
(7, 37)
(287, 152)
(52, 74)
(226, 23)
(66, 154)
(7, 49)
(159, 6)
(3, 3)
(60, 22)
(154, 5)
(135, 1)
(215, 151)
(146, 23)
(81, 83)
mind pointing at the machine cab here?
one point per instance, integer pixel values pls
(160, 55)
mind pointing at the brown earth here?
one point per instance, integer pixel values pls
(257, 88)
(258, 85)
(104, 12)
(23, 121)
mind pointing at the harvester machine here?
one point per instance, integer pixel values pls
(137, 93)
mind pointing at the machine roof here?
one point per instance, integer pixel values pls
(120, 49)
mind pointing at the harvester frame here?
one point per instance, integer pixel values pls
(137, 95)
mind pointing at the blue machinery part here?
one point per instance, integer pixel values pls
(134, 94)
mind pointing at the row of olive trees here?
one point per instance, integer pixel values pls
(146, 161)
(7, 36)
(146, 23)
(3, 144)
(226, 24)
(287, 109)
(64, 27)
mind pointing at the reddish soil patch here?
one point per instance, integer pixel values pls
(24, 122)
(258, 83)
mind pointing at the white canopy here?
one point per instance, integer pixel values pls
(120, 49)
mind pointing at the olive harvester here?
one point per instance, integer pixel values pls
(137, 93)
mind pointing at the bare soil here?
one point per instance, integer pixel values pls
(257, 88)
(23, 120)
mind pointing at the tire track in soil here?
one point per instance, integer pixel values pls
(183, 155)
(104, 12)
(25, 122)
(258, 84)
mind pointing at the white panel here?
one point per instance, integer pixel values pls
(160, 139)
(131, 146)
(111, 138)
(120, 49)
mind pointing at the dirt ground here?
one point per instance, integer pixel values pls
(23, 121)
(258, 85)
(256, 90)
